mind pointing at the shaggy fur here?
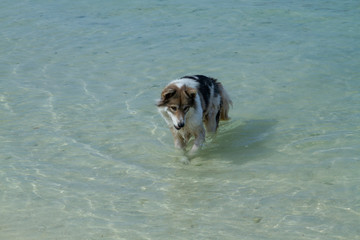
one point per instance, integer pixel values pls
(189, 103)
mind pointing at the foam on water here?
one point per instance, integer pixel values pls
(85, 155)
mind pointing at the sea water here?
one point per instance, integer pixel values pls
(84, 153)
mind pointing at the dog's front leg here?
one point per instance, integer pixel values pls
(199, 140)
(178, 140)
(179, 143)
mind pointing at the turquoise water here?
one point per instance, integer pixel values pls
(85, 155)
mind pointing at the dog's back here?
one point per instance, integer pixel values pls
(210, 90)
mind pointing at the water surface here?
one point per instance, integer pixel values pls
(85, 155)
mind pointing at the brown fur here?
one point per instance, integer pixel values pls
(225, 103)
(172, 95)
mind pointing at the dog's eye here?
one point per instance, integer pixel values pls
(186, 108)
(173, 108)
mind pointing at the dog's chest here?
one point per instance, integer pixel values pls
(191, 127)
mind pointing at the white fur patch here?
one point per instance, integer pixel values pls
(165, 115)
(185, 81)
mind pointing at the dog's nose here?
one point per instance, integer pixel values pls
(180, 125)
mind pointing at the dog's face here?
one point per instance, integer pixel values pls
(177, 102)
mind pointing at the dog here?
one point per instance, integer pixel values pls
(189, 103)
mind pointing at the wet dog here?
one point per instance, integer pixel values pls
(189, 103)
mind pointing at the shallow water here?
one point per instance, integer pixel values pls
(85, 155)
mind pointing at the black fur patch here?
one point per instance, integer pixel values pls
(191, 77)
(205, 85)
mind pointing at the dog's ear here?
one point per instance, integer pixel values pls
(190, 92)
(167, 93)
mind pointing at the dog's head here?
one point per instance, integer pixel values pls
(177, 102)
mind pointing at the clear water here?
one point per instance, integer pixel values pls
(85, 155)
